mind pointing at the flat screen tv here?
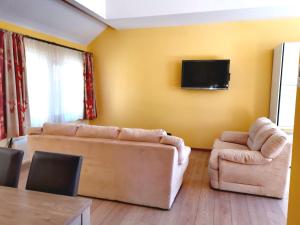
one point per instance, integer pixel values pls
(205, 74)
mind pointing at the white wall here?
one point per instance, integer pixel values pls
(55, 18)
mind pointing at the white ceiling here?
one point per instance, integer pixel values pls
(204, 17)
(53, 17)
(81, 21)
(128, 14)
(116, 9)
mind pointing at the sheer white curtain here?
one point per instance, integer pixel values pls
(55, 82)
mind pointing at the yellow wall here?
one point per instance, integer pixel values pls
(294, 198)
(138, 75)
(35, 34)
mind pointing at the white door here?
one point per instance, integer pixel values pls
(288, 92)
(284, 84)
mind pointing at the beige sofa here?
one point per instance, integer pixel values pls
(138, 166)
(254, 162)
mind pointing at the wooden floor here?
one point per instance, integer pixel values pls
(196, 204)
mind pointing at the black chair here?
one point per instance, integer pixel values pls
(10, 166)
(54, 173)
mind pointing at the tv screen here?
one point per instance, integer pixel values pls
(205, 74)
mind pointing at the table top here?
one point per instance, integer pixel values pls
(36, 208)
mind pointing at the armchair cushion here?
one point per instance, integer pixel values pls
(260, 138)
(244, 157)
(237, 156)
(255, 127)
(218, 144)
(235, 137)
(274, 145)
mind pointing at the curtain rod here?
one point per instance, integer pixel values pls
(52, 43)
(48, 42)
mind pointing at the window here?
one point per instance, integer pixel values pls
(55, 83)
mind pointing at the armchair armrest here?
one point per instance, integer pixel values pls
(236, 137)
(243, 156)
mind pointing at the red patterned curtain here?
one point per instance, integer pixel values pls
(2, 89)
(90, 110)
(14, 116)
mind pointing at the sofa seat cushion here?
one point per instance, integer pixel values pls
(274, 145)
(218, 144)
(92, 131)
(60, 129)
(142, 135)
(261, 137)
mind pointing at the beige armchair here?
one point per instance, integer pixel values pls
(254, 162)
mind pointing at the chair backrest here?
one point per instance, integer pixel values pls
(257, 125)
(259, 132)
(275, 145)
(54, 173)
(10, 166)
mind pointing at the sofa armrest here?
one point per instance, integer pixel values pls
(243, 156)
(237, 137)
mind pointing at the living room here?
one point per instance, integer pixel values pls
(134, 54)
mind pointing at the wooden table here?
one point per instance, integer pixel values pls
(36, 208)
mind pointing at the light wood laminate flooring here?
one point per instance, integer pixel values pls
(195, 204)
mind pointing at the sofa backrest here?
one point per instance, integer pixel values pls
(60, 129)
(142, 135)
(137, 135)
(107, 132)
(92, 131)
